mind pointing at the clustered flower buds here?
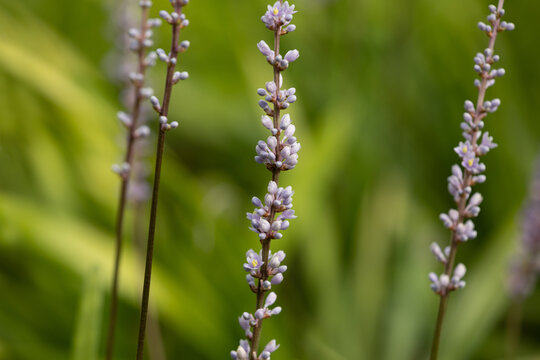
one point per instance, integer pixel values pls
(244, 349)
(178, 21)
(272, 214)
(444, 283)
(273, 272)
(469, 172)
(276, 201)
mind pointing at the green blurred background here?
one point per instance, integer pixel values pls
(381, 86)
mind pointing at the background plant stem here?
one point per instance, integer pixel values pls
(157, 174)
(135, 113)
(513, 327)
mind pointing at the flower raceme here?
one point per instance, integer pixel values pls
(469, 172)
(476, 144)
(273, 212)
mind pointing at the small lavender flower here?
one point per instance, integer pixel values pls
(253, 263)
(279, 15)
(470, 173)
(272, 213)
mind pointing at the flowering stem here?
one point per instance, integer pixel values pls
(125, 183)
(275, 177)
(462, 201)
(163, 129)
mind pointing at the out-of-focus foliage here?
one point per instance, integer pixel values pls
(380, 85)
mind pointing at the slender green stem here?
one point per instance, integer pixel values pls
(122, 199)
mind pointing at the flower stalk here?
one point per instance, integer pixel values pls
(178, 21)
(272, 214)
(140, 40)
(477, 143)
(525, 264)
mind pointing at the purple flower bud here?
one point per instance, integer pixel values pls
(290, 28)
(267, 122)
(292, 55)
(276, 310)
(264, 105)
(444, 280)
(142, 131)
(459, 271)
(124, 118)
(155, 103)
(448, 223)
(272, 187)
(264, 48)
(465, 231)
(277, 279)
(436, 250)
(166, 16)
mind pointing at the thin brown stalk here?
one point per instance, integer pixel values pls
(156, 349)
(122, 199)
(164, 111)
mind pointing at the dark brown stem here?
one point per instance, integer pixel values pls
(156, 350)
(122, 199)
(150, 247)
(462, 202)
(255, 341)
(159, 158)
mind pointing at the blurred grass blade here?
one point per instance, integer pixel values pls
(86, 338)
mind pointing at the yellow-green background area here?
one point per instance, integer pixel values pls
(380, 86)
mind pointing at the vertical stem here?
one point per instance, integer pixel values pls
(157, 174)
(462, 202)
(123, 190)
(255, 342)
(156, 349)
(150, 246)
(438, 328)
